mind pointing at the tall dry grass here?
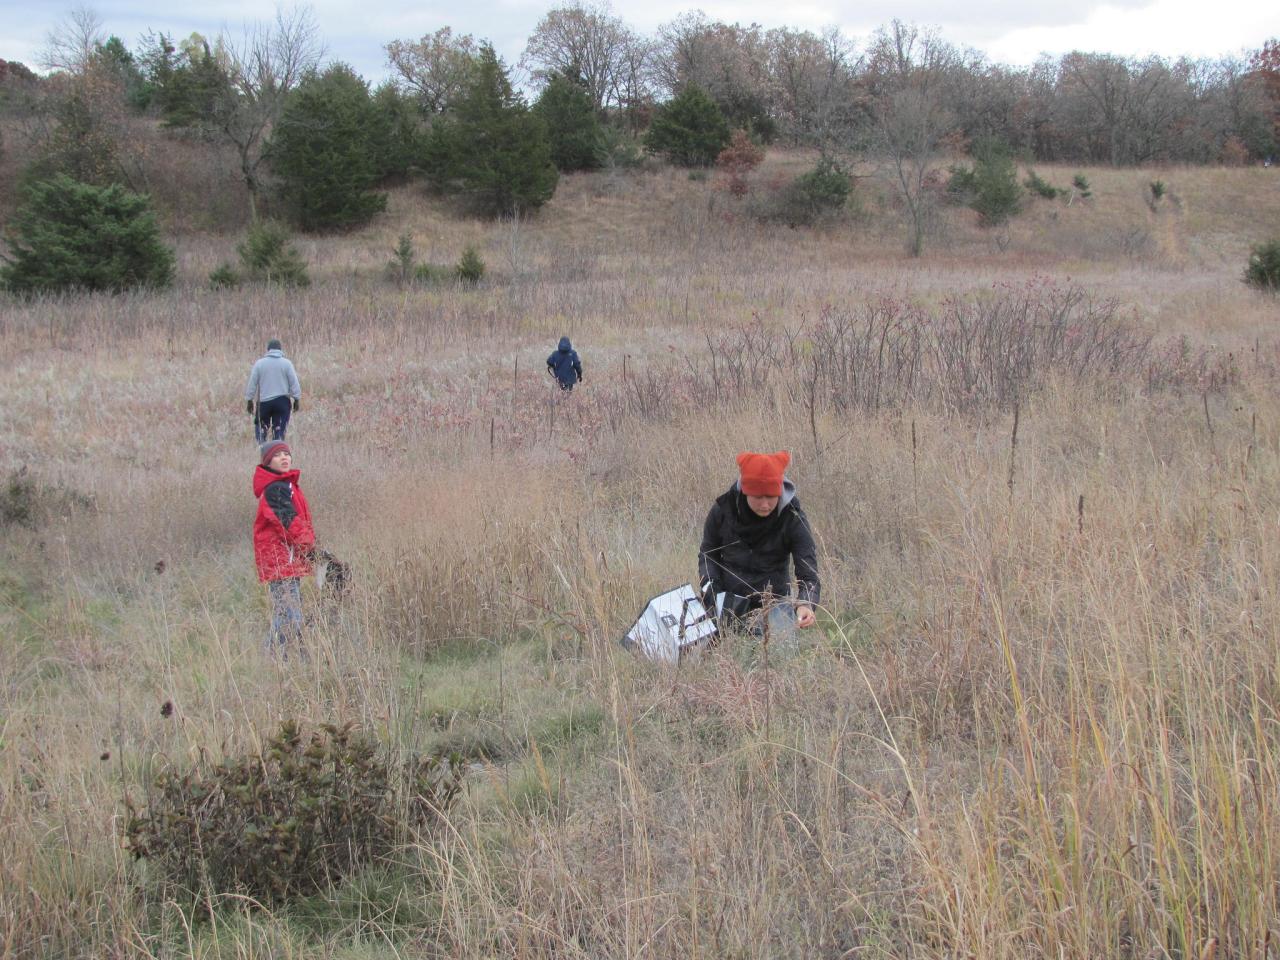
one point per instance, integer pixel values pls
(1038, 718)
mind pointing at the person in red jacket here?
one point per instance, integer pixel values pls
(283, 540)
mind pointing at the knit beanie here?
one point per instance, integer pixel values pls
(762, 473)
(271, 448)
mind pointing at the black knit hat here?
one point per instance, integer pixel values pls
(270, 448)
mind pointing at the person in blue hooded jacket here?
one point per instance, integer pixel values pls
(564, 365)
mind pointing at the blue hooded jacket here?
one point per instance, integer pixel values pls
(564, 363)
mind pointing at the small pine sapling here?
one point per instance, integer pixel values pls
(401, 265)
(470, 268)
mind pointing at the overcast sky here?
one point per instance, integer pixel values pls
(1009, 31)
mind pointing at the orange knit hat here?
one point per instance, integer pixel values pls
(762, 473)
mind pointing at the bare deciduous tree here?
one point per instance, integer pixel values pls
(263, 67)
(908, 72)
(71, 45)
(436, 68)
(729, 61)
(586, 43)
(813, 77)
(633, 76)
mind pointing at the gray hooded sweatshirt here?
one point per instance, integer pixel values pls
(273, 376)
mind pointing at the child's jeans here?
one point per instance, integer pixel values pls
(286, 614)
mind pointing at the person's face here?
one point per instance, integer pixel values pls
(280, 461)
(761, 506)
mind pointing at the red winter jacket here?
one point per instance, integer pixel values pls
(282, 534)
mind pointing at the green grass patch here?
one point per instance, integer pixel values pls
(394, 902)
(575, 727)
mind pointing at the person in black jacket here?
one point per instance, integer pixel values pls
(751, 533)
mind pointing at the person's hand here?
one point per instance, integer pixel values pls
(248, 407)
(805, 616)
(296, 403)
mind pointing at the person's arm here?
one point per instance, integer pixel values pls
(251, 388)
(804, 555)
(297, 531)
(295, 388)
(708, 568)
(577, 365)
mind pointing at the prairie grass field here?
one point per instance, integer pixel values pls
(1039, 715)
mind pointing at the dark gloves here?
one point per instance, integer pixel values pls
(248, 407)
(296, 403)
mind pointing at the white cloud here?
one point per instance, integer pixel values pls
(1167, 28)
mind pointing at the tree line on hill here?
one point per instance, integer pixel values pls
(313, 143)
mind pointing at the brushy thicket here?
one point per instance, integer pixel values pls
(969, 354)
(305, 813)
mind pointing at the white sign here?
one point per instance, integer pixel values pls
(673, 625)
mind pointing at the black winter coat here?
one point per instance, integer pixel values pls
(747, 556)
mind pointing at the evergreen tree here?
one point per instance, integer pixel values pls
(491, 147)
(396, 139)
(186, 85)
(322, 152)
(990, 186)
(69, 235)
(689, 130)
(577, 139)
(121, 62)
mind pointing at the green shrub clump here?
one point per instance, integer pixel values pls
(990, 186)
(434, 273)
(306, 812)
(1263, 270)
(1040, 186)
(18, 500)
(810, 198)
(69, 235)
(820, 192)
(224, 277)
(470, 268)
(268, 256)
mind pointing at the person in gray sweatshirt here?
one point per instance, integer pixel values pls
(272, 393)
